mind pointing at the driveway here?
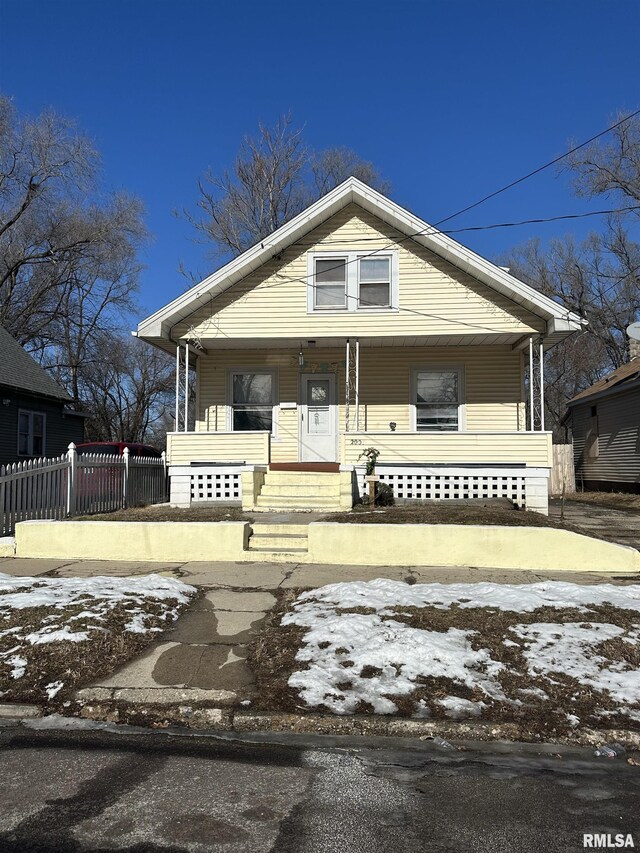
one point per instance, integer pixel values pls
(616, 525)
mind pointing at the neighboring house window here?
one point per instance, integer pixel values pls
(252, 400)
(353, 282)
(438, 399)
(30, 433)
(592, 437)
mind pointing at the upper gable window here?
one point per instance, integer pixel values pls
(353, 281)
(331, 283)
(374, 276)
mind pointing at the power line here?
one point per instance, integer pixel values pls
(495, 225)
(425, 231)
(541, 168)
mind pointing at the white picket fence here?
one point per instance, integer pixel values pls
(74, 484)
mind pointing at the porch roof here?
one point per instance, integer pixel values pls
(559, 321)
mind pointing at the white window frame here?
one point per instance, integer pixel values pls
(275, 404)
(462, 409)
(336, 258)
(352, 295)
(31, 414)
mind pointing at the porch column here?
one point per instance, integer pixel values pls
(352, 384)
(186, 387)
(541, 365)
(176, 424)
(536, 385)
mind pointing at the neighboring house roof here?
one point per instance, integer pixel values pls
(20, 371)
(621, 379)
(559, 320)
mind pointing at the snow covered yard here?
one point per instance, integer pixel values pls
(57, 633)
(551, 655)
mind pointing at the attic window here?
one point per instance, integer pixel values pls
(330, 277)
(353, 281)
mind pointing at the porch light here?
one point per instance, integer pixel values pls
(392, 426)
(301, 359)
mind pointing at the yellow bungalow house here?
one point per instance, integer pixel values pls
(358, 325)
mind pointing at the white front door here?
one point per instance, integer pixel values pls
(318, 418)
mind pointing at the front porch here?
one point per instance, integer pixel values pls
(232, 468)
(449, 420)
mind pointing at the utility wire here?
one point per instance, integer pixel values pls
(426, 232)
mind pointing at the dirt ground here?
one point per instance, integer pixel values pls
(615, 500)
(272, 657)
(164, 512)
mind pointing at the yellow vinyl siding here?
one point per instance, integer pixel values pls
(183, 448)
(492, 387)
(271, 302)
(454, 448)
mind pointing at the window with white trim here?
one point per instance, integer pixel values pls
(374, 282)
(330, 283)
(252, 400)
(31, 428)
(438, 399)
(353, 281)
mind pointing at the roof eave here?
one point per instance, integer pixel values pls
(160, 324)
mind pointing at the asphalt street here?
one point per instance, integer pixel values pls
(76, 791)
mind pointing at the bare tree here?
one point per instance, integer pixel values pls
(275, 176)
(68, 257)
(128, 388)
(599, 278)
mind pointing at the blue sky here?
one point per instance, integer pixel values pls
(450, 100)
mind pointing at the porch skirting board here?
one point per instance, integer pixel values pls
(527, 488)
(241, 485)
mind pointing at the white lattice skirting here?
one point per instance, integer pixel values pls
(205, 484)
(526, 487)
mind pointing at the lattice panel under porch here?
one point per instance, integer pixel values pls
(216, 487)
(468, 486)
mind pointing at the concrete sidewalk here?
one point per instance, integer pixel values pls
(202, 658)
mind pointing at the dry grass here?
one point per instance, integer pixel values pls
(73, 663)
(450, 512)
(614, 500)
(272, 658)
(164, 512)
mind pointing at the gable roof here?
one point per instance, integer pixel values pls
(19, 370)
(621, 379)
(560, 321)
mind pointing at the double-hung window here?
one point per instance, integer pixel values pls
(438, 399)
(374, 282)
(353, 281)
(252, 400)
(30, 433)
(330, 279)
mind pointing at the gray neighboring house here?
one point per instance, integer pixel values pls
(605, 421)
(35, 414)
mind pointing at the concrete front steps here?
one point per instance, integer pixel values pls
(287, 543)
(299, 490)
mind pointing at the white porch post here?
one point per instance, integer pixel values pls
(352, 384)
(177, 413)
(346, 387)
(541, 386)
(357, 394)
(531, 421)
(186, 387)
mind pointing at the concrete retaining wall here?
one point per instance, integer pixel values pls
(466, 545)
(528, 548)
(173, 542)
